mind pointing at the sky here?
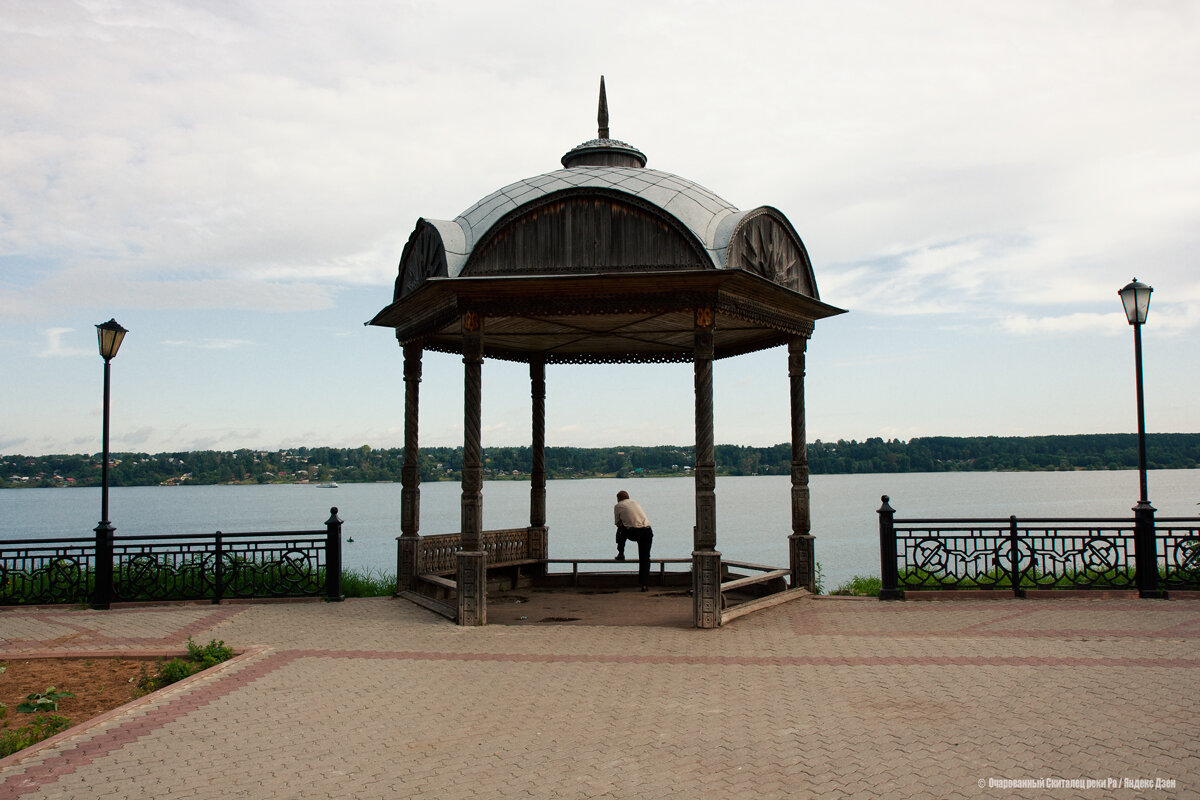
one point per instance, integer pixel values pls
(234, 182)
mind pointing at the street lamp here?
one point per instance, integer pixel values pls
(110, 334)
(1135, 297)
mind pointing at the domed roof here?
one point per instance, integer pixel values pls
(698, 209)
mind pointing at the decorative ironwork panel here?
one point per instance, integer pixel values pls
(1178, 553)
(1007, 554)
(46, 571)
(185, 567)
(1077, 556)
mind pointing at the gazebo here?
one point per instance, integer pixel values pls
(603, 261)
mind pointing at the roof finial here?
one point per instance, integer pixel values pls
(602, 114)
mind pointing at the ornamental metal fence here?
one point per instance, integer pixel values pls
(1021, 554)
(105, 569)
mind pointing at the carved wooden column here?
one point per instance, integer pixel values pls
(800, 543)
(472, 561)
(538, 544)
(706, 561)
(408, 544)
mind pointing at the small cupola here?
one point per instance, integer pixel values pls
(603, 151)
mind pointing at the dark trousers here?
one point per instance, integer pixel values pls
(644, 537)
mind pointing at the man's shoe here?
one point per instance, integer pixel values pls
(620, 556)
(645, 588)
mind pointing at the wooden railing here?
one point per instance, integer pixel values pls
(438, 554)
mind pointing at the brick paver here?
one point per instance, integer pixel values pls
(819, 698)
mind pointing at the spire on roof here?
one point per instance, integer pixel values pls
(602, 114)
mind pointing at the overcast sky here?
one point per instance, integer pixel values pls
(234, 182)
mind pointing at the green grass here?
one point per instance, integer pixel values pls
(176, 669)
(860, 586)
(39, 728)
(366, 583)
(1120, 578)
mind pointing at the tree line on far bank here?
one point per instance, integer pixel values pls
(366, 464)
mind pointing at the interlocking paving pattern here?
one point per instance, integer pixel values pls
(820, 698)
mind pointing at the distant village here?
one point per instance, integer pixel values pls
(330, 465)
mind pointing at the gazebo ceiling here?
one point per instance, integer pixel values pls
(604, 261)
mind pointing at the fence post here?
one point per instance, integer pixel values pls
(889, 574)
(103, 575)
(219, 570)
(333, 557)
(1014, 558)
(1145, 551)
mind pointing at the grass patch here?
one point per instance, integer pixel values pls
(1117, 578)
(198, 659)
(860, 586)
(366, 583)
(39, 728)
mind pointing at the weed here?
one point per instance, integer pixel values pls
(40, 727)
(176, 669)
(43, 701)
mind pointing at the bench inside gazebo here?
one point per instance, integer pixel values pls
(601, 262)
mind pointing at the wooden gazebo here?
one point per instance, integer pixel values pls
(603, 261)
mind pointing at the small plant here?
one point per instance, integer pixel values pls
(176, 669)
(210, 654)
(819, 580)
(860, 586)
(39, 728)
(43, 701)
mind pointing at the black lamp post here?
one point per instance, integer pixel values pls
(110, 335)
(1135, 296)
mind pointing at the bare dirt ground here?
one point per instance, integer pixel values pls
(99, 684)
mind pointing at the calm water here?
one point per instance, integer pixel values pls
(753, 514)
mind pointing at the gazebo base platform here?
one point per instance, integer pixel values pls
(605, 598)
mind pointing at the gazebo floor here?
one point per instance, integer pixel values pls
(661, 606)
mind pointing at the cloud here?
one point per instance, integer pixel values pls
(1101, 324)
(54, 347)
(9, 445)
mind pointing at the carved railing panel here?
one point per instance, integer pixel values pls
(438, 554)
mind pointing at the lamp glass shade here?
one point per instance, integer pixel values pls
(110, 335)
(1135, 297)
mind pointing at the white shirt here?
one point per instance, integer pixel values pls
(629, 514)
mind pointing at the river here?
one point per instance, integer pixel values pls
(753, 513)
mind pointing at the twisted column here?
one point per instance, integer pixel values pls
(537, 544)
(410, 473)
(800, 543)
(537, 491)
(472, 470)
(705, 470)
(408, 545)
(472, 561)
(706, 561)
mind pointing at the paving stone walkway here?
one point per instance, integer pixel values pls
(821, 698)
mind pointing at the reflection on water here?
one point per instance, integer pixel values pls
(753, 513)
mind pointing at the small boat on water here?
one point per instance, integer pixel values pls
(332, 485)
